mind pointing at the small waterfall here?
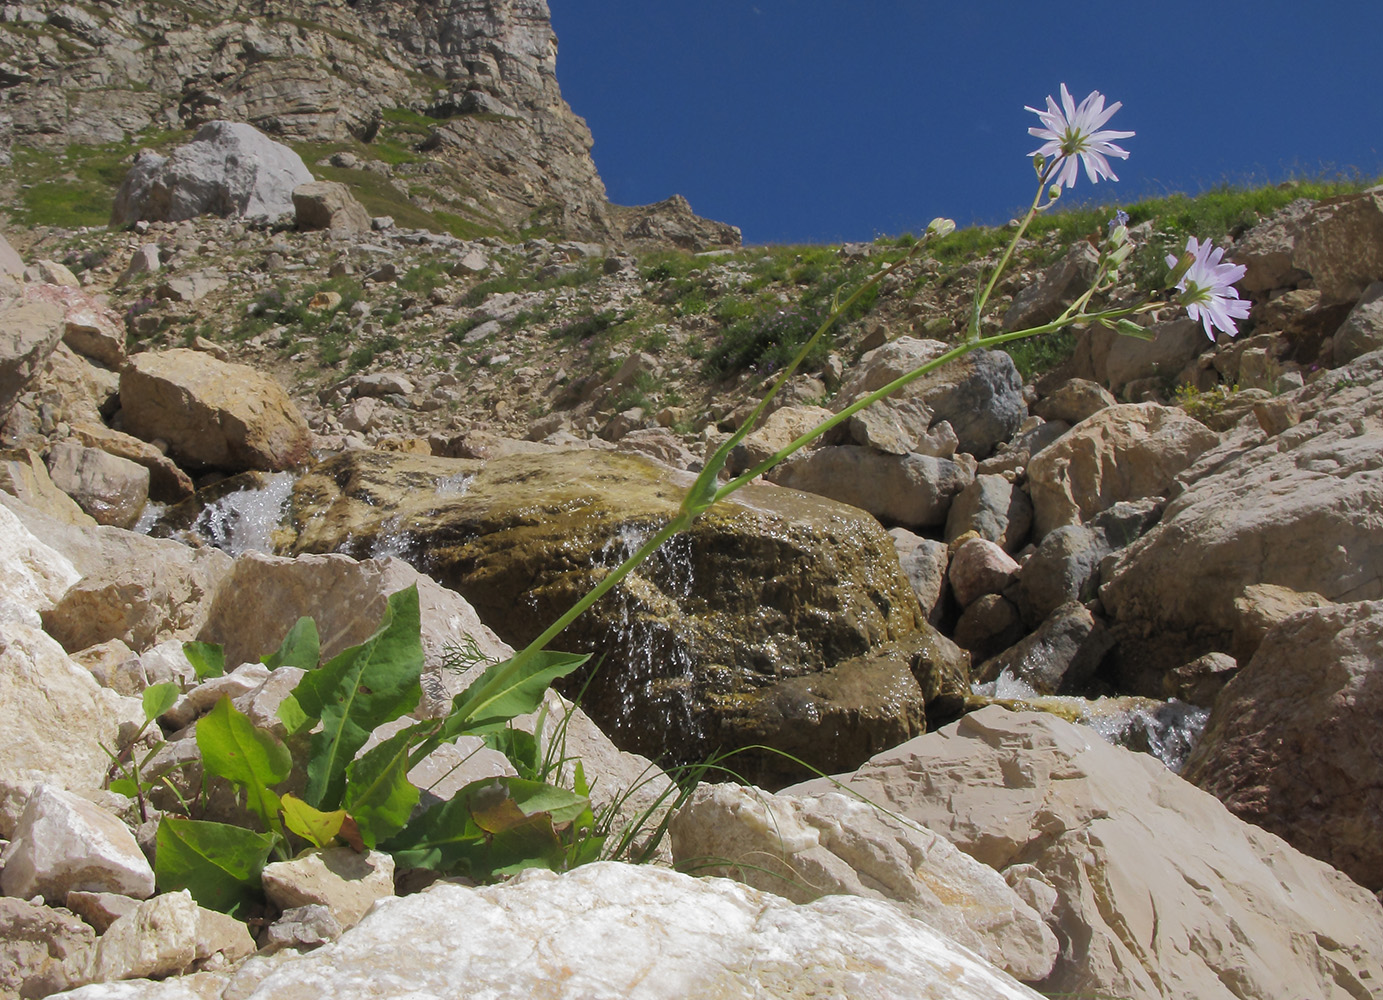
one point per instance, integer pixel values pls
(245, 520)
(1166, 729)
(655, 691)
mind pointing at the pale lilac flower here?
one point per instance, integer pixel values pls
(1074, 132)
(1207, 288)
(1120, 219)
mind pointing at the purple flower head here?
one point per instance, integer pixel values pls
(1073, 134)
(1207, 288)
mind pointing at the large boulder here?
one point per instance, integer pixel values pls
(228, 169)
(610, 930)
(771, 588)
(1289, 742)
(111, 489)
(1298, 510)
(1159, 890)
(1118, 453)
(213, 414)
(137, 589)
(807, 847)
(263, 596)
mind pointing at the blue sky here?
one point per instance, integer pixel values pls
(830, 120)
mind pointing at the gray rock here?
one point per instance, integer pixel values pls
(229, 169)
(924, 563)
(301, 927)
(1042, 301)
(1064, 568)
(1200, 681)
(1266, 250)
(10, 261)
(892, 426)
(1073, 401)
(988, 626)
(981, 397)
(995, 509)
(1059, 657)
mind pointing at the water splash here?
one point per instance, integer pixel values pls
(245, 520)
(394, 539)
(454, 485)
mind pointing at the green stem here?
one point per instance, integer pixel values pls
(983, 298)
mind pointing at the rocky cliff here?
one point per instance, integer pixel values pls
(474, 81)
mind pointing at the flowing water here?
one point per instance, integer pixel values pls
(241, 519)
(1166, 729)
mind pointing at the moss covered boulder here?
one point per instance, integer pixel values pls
(758, 625)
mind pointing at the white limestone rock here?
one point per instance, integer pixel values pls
(809, 847)
(63, 843)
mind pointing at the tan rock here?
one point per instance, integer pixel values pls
(1261, 608)
(168, 935)
(1120, 453)
(804, 848)
(1341, 245)
(63, 843)
(111, 489)
(1286, 745)
(167, 483)
(29, 330)
(980, 567)
(783, 426)
(329, 205)
(42, 950)
(914, 491)
(1073, 401)
(57, 717)
(99, 909)
(212, 414)
(24, 476)
(1161, 891)
(339, 878)
(924, 561)
(1298, 510)
(263, 596)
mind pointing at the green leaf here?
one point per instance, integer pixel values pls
(1128, 328)
(293, 716)
(492, 826)
(159, 698)
(357, 690)
(320, 828)
(217, 863)
(379, 796)
(301, 647)
(124, 786)
(492, 700)
(236, 749)
(208, 659)
(520, 747)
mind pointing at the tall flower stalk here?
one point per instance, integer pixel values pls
(1075, 136)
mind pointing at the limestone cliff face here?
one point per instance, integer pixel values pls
(482, 71)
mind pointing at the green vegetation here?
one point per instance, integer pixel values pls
(77, 187)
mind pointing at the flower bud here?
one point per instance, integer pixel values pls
(941, 227)
(1184, 263)
(1129, 328)
(1120, 253)
(1054, 192)
(1038, 162)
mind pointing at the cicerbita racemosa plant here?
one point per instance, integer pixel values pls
(1075, 136)
(1207, 287)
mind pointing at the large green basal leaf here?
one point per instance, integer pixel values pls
(218, 864)
(379, 796)
(503, 693)
(208, 659)
(357, 690)
(236, 749)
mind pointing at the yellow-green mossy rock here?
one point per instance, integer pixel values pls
(755, 626)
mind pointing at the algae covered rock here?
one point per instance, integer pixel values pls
(765, 592)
